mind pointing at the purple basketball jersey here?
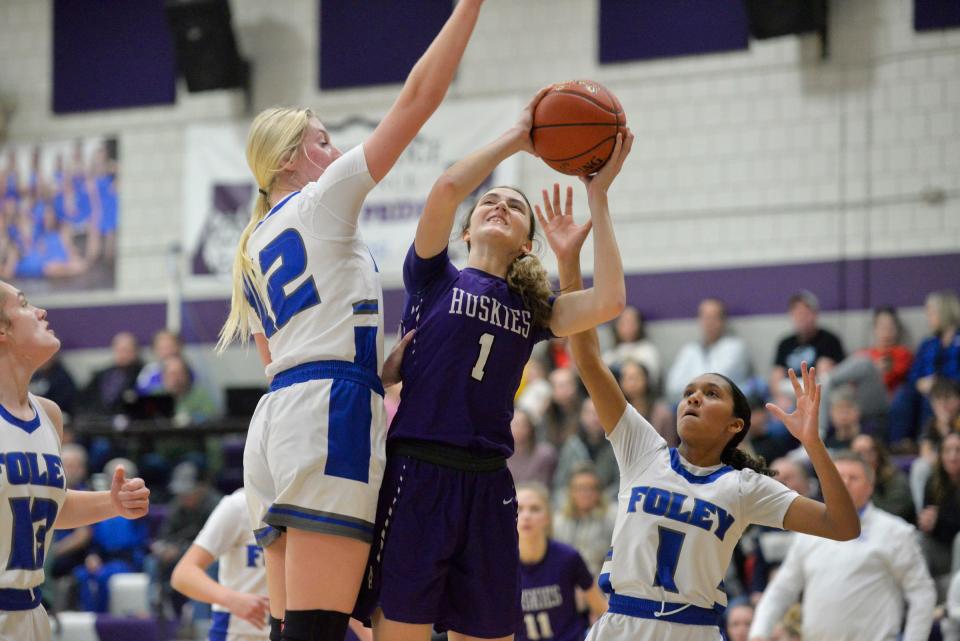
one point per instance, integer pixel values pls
(460, 374)
(547, 596)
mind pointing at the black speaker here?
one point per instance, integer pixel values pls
(207, 54)
(772, 18)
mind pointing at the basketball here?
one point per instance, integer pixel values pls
(575, 126)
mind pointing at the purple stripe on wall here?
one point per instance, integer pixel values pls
(840, 285)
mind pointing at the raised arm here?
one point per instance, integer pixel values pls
(581, 310)
(836, 518)
(423, 91)
(566, 238)
(459, 181)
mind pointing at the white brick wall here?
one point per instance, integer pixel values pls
(739, 156)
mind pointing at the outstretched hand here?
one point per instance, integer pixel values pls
(600, 182)
(563, 234)
(130, 497)
(803, 422)
(391, 366)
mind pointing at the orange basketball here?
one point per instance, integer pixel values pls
(575, 126)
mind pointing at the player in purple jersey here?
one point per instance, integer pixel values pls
(553, 576)
(445, 547)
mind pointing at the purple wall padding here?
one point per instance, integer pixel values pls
(840, 285)
(375, 42)
(930, 15)
(110, 54)
(634, 30)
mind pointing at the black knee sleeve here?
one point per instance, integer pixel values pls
(276, 629)
(314, 625)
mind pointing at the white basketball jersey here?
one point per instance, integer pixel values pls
(227, 536)
(32, 491)
(677, 524)
(324, 298)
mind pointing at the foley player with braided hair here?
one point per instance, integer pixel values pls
(682, 510)
(446, 544)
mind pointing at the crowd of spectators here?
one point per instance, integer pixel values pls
(60, 222)
(892, 411)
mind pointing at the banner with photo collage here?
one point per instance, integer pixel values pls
(59, 214)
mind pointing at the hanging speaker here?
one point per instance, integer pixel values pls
(772, 18)
(207, 54)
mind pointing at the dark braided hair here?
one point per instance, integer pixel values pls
(732, 455)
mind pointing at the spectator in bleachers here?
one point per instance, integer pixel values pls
(639, 388)
(856, 589)
(789, 627)
(891, 491)
(105, 393)
(598, 448)
(165, 344)
(584, 520)
(117, 546)
(69, 547)
(190, 508)
(739, 616)
(766, 547)
(950, 625)
(844, 419)
(533, 461)
(535, 391)
(768, 437)
(11, 176)
(104, 172)
(193, 404)
(939, 519)
(889, 355)
(945, 403)
(631, 343)
(937, 356)
(53, 381)
(559, 420)
(715, 351)
(809, 342)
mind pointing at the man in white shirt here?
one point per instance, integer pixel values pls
(855, 590)
(714, 352)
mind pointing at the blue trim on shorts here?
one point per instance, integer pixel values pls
(603, 582)
(367, 529)
(327, 369)
(674, 612)
(220, 623)
(13, 600)
(266, 535)
(690, 476)
(348, 432)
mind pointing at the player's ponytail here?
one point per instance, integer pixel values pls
(527, 277)
(274, 137)
(733, 455)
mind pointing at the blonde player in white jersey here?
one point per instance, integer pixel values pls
(308, 290)
(681, 511)
(33, 496)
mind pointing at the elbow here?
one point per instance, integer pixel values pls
(177, 579)
(848, 532)
(613, 305)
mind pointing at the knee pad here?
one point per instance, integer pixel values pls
(276, 629)
(314, 625)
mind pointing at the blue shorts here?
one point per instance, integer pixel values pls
(445, 548)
